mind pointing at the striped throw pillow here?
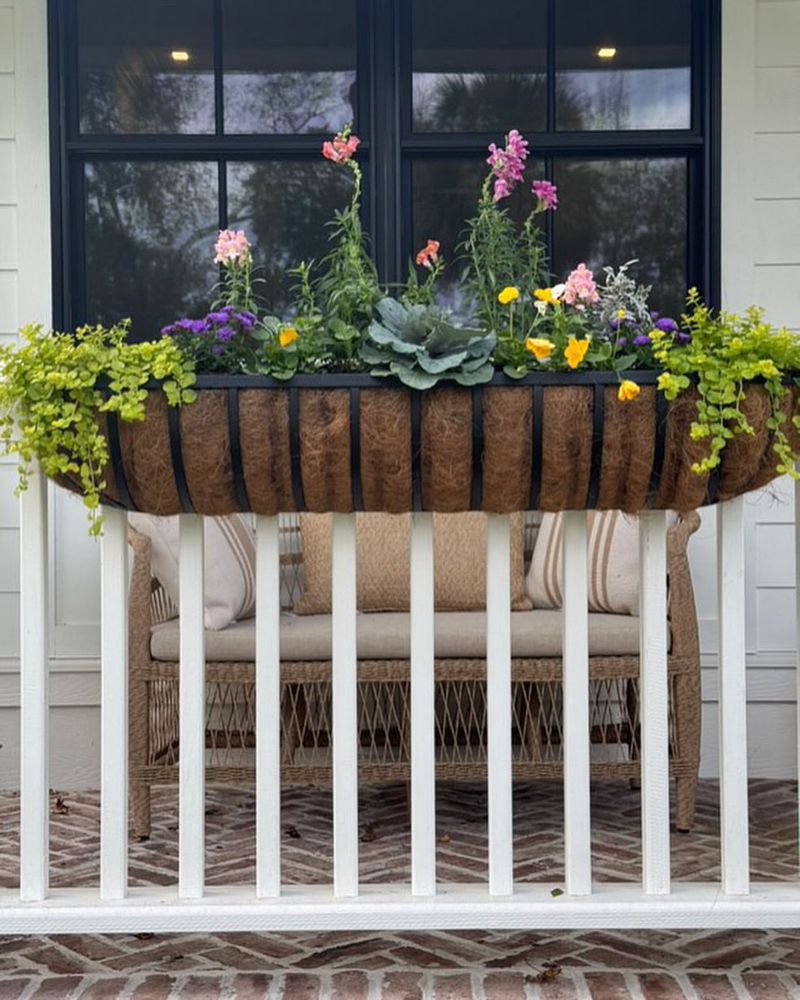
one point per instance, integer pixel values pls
(612, 563)
(230, 557)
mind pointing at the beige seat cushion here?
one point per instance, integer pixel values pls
(383, 565)
(385, 636)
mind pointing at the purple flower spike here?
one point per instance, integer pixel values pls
(666, 325)
(641, 341)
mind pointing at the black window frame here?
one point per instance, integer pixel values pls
(389, 144)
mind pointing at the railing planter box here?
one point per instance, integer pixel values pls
(353, 442)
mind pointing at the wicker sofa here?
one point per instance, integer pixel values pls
(383, 689)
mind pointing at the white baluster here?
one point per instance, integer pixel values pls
(34, 722)
(732, 673)
(268, 699)
(345, 714)
(114, 707)
(191, 842)
(654, 701)
(498, 704)
(575, 645)
(423, 747)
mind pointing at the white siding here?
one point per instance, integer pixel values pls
(761, 263)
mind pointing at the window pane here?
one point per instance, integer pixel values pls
(479, 67)
(150, 231)
(145, 67)
(623, 65)
(290, 65)
(284, 207)
(445, 196)
(611, 211)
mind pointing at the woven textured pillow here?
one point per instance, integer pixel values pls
(383, 563)
(230, 555)
(612, 563)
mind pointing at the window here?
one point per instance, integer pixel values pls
(171, 120)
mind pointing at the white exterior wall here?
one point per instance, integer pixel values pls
(760, 263)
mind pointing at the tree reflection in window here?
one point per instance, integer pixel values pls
(149, 229)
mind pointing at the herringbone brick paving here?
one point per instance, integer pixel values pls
(599, 965)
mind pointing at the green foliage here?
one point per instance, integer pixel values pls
(419, 346)
(499, 254)
(50, 398)
(725, 352)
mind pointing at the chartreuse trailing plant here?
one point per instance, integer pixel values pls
(54, 385)
(720, 353)
(419, 346)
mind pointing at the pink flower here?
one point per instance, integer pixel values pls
(547, 195)
(580, 288)
(231, 247)
(342, 147)
(507, 164)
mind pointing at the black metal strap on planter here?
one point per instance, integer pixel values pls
(117, 468)
(178, 472)
(598, 421)
(713, 485)
(658, 449)
(536, 446)
(416, 450)
(355, 448)
(237, 466)
(294, 449)
(476, 484)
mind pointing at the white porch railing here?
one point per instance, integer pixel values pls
(424, 902)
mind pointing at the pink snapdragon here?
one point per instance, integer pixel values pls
(546, 194)
(580, 289)
(507, 164)
(231, 247)
(342, 147)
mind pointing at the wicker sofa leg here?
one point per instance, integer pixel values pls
(687, 725)
(140, 789)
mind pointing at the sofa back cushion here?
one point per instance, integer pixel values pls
(230, 552)
(383, 563)
(612, 562)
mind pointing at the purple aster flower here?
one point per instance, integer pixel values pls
(216, 349)
(225, 333)
(681, 337)
(184, 324)
(667, 325)
(246, 320)
(217, 317)
(654, 315)
(229, 309)
(167, 330)
(199, 326)
(622, 342)
(641, 341)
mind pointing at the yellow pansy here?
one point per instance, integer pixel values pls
(575, 351)
(540, 347)
(627, 391)
(507, 295)
(287, 336)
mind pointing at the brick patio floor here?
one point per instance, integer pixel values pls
(599, 965)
